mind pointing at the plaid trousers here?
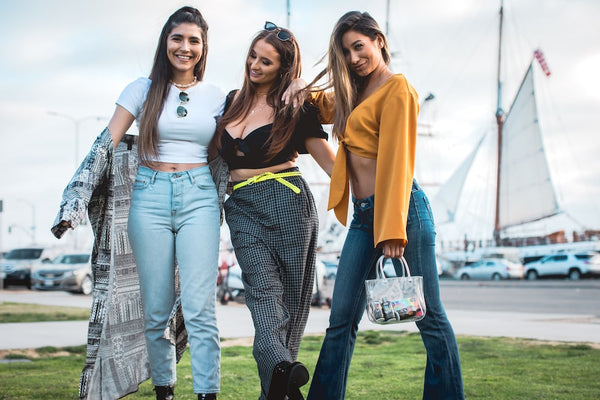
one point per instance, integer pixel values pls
(274, 235)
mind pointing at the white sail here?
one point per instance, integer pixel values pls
(445, 202)
(526, 191)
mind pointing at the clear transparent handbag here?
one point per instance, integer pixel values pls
(397, 299)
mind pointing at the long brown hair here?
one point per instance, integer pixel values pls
(286, 116)
(161, 76)
(346, 84)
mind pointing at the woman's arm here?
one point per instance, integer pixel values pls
(322, 153)
(324, 100)
(78, 193)
(295, 93)
(119, 124)
(395, 162)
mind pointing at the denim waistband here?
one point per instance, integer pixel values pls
(415, 186)
(369, 202)
(190, 174)
(364, 204)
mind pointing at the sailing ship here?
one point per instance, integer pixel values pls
(524, 191)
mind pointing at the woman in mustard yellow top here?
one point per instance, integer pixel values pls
(374, 116)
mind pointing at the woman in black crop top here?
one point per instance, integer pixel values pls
(271, 212)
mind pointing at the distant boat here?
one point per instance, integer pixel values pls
(524, 189)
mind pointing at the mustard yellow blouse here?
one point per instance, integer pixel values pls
(382, 127)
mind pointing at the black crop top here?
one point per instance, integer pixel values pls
(253, 144)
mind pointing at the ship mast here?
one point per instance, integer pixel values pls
(499, 122)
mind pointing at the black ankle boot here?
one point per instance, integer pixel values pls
(164, 392)
(287, 379)
(297, 377)
(207, 396)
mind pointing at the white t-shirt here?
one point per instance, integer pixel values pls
(181, 139)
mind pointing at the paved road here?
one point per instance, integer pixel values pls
(542, 296)
(545, 310)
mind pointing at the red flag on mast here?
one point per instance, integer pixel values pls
(539, 56)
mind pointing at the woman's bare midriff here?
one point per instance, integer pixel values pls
(243, 174)
(362, 175)
(173, 167)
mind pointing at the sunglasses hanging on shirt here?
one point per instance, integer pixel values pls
(184, 98)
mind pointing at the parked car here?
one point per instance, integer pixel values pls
(322, 286)
(69, 272)
(15, 267)
(390, 270)
(494, 269)
(570, 265)
(230, 285)
(330, 269)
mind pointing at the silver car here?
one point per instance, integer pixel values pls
(494, 269)
(70, 272)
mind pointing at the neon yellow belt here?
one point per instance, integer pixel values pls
(270, 175)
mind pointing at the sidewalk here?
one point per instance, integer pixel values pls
(234, 321)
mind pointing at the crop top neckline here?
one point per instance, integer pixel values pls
(254, 145)
(249, 134)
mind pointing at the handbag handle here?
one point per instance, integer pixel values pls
(381, 261)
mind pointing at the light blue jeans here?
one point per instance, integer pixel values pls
(175, 216)
(443, 377)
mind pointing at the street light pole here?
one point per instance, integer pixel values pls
(32, 227)
(77, 122)
(387, 18)
(1, 226)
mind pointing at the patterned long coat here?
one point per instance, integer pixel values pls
(116, 360)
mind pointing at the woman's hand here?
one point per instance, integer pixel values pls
(65, 224)
(393, 248)
(295, 93)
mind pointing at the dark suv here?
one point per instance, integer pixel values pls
(16, 265)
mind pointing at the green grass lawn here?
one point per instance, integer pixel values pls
(21, 312)
(386, 366)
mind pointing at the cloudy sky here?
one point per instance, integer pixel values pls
(65, 62)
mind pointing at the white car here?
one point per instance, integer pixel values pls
(494, 269)
(570, 265)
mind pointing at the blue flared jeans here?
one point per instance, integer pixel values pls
(174, 216)
(443, 377)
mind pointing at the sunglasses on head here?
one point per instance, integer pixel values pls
(183, 99)
(281, 34)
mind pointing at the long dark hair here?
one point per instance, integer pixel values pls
(161, 76)
(346, 84)
(286, 116)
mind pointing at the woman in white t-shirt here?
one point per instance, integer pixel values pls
(174, 212)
